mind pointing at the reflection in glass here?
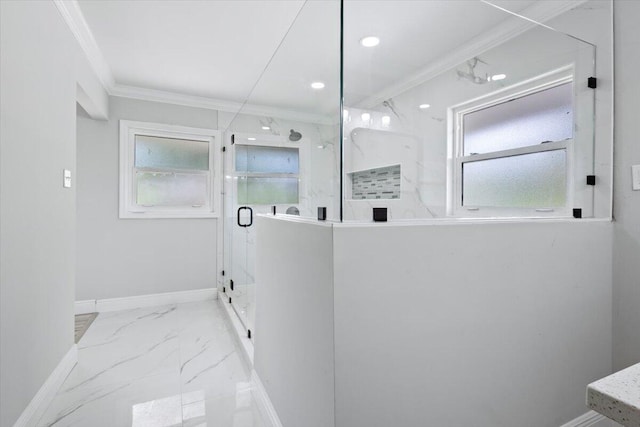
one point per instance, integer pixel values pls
(263, 159)
(267, 190)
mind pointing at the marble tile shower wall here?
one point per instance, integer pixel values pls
(373, 146)
(322, 174)
(381, 183)
(419, 136)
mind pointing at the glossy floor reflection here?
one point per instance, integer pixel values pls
(168, 366)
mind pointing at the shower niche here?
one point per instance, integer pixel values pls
(377, 184)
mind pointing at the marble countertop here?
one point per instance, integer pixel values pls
(617, 396)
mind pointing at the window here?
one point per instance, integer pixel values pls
(512, 151)
(168, 171)
(267, 174)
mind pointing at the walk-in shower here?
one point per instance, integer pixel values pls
(462, 111)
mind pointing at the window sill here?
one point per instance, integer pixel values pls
(168, 215)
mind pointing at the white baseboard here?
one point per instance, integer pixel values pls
(85, 306)
(589, 419)
(239, 332)
(43, 398)
(152, 300)
(261, 398)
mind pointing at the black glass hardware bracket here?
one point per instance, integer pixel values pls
(273, 210)
(591, 180)
(592, 82)
(380, 214)
(322, 213)
(577, 213)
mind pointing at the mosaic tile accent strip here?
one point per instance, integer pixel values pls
(379, 183)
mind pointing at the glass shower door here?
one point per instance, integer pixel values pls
(262, 171)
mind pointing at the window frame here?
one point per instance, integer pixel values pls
(274, 142)
(129, 209)
(456, 158)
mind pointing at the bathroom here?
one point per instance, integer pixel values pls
(462, 302)
(411, 212)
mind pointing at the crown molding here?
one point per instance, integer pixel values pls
(539, 12)
(174, 98)
(72, 14)
(70, 11)
(74, 18)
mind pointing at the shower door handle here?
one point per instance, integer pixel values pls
(250, 216)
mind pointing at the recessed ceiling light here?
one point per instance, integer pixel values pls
(424, 106)
(317, 85)
(370, 41)
(497, 77)
(251, 139)
(265, 128)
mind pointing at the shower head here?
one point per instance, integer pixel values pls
(294, 136)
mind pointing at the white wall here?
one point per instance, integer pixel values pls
(294, 319)
(486, 325)
(626, 209)
(127, 257)
(40, 68)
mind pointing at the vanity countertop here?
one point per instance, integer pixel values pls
(617, 396)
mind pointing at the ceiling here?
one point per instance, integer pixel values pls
(269, 51)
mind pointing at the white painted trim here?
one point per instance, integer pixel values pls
(130, 210)
(261, 397)
(204, 102)
(152, 300)
(75, 20)
(85, 306)
(540, 11)
(588, 419)
(43, 398)
(88, 104)
(72, 14)
(456, 159)
(239, 331)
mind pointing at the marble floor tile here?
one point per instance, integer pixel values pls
(168, 366)
(149, 401)
(237, 410)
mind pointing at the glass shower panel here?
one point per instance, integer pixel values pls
(535, 180)
(284, 148)
(419, 99)
(541, 117)
(265, 159)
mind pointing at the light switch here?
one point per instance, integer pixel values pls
(67, 178)
(635, 173)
